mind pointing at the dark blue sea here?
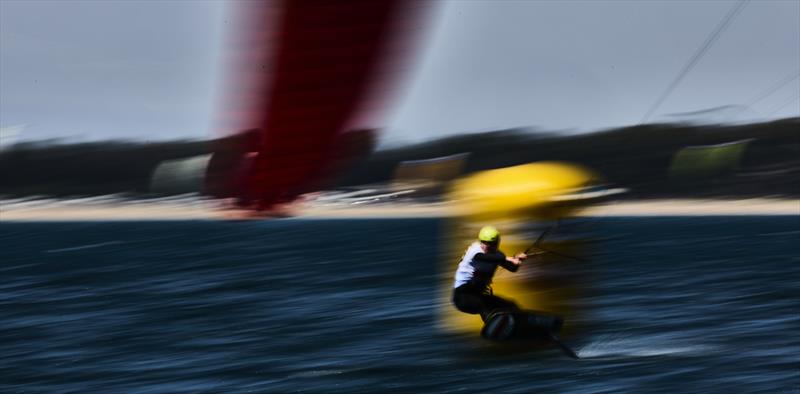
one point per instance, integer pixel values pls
(672, 305)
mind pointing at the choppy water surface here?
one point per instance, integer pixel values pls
(673, 305)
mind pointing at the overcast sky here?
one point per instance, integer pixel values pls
(148, 69)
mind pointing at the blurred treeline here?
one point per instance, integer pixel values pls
(88, 169)
(637, 158)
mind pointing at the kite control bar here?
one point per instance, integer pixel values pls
(542, 250)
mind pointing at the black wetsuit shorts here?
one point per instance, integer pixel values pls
(472, 299)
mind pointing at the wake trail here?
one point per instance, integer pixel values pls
(83, 247)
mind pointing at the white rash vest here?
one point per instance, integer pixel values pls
(477, 268)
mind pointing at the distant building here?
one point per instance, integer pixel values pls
(180, 176)
(703, 161)
(428, 177)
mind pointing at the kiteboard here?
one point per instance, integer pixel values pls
(520, 325)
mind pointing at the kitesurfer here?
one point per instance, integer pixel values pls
(472, 292)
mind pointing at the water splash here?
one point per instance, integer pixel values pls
(623, 345)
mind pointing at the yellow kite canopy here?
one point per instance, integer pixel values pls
(533, 190)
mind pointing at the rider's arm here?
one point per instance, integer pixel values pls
(494, 258)
(509, 263)
(512, 263)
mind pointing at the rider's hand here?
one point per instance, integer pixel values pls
(521, 256)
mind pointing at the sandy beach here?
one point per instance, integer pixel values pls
(75, 210)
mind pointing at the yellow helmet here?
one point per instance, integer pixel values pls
(489, 234)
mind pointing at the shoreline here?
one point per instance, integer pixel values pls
(53, 210)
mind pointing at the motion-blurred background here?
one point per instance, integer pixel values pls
(413, 124)
(208, 98)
